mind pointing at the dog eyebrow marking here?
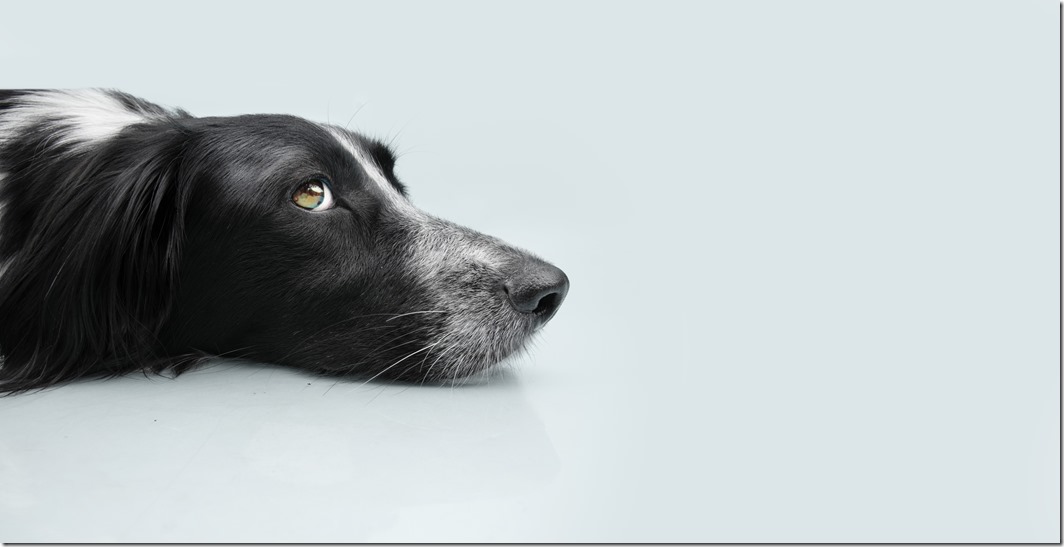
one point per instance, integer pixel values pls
(77, 117)
(370, 166)
(363, 159)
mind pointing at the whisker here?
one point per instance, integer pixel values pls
(444, 352)
(421, 364)
(360, 331)
(413, 313)
(352, 118)
(381, 348)
(371, 378)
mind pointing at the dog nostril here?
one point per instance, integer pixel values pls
(537, 289)
(547, 303)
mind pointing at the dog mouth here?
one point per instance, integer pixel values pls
(455, 356)
(463, 333)
(439, 347)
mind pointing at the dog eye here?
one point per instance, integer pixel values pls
(313, 195)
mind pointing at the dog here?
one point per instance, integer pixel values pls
(137, 237)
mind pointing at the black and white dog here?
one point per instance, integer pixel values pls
(134, 237)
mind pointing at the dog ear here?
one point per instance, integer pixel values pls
(90, 255)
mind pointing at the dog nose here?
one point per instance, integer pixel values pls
(537, 288)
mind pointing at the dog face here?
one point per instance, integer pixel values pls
(134, 237)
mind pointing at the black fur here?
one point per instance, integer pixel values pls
(175, 239)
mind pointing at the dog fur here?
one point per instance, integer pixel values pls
(135, 237)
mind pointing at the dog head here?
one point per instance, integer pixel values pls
(132, 237)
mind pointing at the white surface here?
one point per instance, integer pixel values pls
(814, 259)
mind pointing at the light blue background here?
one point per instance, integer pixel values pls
(814, 256)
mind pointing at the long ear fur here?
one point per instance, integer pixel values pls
(89, 249)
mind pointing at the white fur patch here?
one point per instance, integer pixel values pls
(363, 159)
(78, 117)
(369, 165)
(75, 117)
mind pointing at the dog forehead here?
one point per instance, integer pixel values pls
(261, 133)
(265, 145)
(278, 139)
